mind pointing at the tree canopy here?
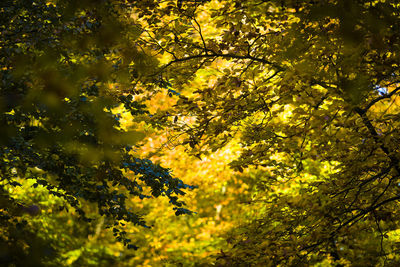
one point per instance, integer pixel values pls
(298, 98)
(65, 67)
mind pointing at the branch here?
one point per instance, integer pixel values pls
(373, 102)
(231, 56)
(201, 35)
(394, 164)
(368, 210)
(393, 159)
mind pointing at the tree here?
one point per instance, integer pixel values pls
(65, 68)
(309, 88)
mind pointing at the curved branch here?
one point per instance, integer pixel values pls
(228, 55)
(376, 100)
